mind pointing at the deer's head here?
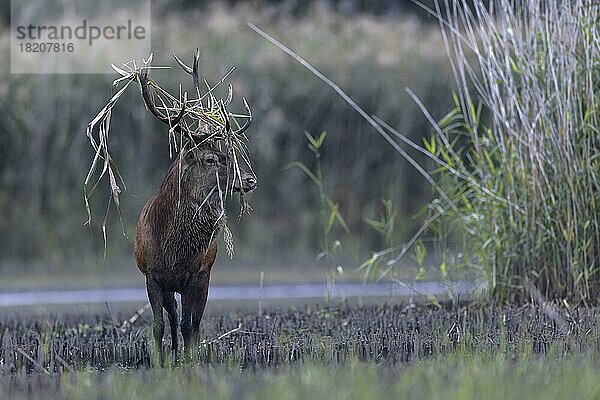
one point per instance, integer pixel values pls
(202, 168)
(206, 171)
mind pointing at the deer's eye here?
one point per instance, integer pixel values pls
(211, 159)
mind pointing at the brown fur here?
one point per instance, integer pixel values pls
(175, 244)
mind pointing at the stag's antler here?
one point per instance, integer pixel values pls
(193, 70)
(172, 122)
(248, 121)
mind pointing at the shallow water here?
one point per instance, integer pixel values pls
(241, 292)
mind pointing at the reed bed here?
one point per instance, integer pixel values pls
(518, 155)
(516, 160)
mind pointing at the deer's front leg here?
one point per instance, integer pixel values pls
(187, 306)
(202, 294)
(202, 280)
(193, 301)
(155, 296)
(170, 305)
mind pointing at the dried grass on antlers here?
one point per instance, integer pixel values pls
(194, 120)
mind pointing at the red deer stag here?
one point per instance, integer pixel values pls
(176, 238)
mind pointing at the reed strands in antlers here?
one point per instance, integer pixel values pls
(193, 120)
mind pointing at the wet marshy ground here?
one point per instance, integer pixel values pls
(329, 334)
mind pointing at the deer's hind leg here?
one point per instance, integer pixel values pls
(170, 305)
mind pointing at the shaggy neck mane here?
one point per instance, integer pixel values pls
(188, 228)
(169, 189)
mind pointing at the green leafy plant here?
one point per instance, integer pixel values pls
(329, 210)
(386, 223)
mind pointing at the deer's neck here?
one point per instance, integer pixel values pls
(190, 226)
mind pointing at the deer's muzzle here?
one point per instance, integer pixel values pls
(249, 183)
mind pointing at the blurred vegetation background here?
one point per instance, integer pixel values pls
(373, 49)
